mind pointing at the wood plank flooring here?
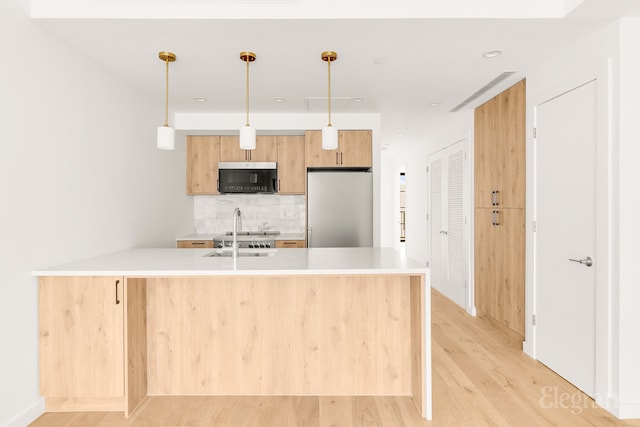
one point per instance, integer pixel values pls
(480, 378)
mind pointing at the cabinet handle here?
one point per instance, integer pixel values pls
(117, 300)
(278, 185)
(495, 218)
(494, 198)
(337, 163)
(340, 157)
(218, 185)
(197, 243)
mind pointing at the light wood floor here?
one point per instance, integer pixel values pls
(480, 378)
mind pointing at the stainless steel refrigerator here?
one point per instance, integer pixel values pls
(339, 209)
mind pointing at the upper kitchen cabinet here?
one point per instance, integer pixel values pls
(499, 144)
(291, 168)
(354, 150)
(266, 150)
(202, 164)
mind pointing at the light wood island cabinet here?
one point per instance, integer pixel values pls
(192, 325)
(354, 150)
(81, 337)
(92, 343)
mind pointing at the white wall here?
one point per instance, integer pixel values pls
(79, 176)
(628, 219)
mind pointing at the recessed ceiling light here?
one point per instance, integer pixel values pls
(279, 99)
(200, 99)
(492, 53)
(435, 104)
(357, 99)
(379, 60)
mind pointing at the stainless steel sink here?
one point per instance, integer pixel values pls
(242, 253)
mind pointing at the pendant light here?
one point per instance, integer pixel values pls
(329, 133)
(166, 134)
(247, 132)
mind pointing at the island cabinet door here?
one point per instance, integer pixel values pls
(81, 337)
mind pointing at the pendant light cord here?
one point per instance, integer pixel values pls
(329, 90)
(247, 91)
(166, 107)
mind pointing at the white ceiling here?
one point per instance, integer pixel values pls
(400, 67)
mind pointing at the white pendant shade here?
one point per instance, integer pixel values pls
(247, 137)
(166, 138)
(330, 138)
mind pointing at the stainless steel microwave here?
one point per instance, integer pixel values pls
(247, 177)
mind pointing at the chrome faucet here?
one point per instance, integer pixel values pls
(237, 226)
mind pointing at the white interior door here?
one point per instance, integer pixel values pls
(448, 219)
(565, 205)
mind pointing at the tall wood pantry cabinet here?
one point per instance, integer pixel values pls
(499, 253)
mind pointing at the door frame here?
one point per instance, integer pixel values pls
(467, 233)
(603, 307)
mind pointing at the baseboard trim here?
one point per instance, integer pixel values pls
(629, 410)
(29, 415)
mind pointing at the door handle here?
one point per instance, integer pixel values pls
(587, 261)
(444, 232)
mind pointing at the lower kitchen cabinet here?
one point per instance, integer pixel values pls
(291, 244)
(195, 244)
(81, 337)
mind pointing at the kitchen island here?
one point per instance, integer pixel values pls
(317, 322)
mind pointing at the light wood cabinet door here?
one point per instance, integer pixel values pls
(185, 244)
(316, 157)
(202, 164)
(291, 244)
(292, 172)
(499, 144)
(81, 337)
(500, 260)
(355, 148)
(266, 150)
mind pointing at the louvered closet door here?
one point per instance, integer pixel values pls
(449, 236)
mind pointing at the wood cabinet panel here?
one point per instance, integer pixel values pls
(265, 151)
(354, 150)
(81, 337)
(185, 244)
(291, 244)
(315, 155)
(500, 260)
(499, 144)
(302, 335)
(292, 173)
(202, 164)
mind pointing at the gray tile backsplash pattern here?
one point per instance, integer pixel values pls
(213, 214)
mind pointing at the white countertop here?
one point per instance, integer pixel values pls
(209, 236)
(193, 262)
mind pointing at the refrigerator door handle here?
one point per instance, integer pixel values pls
(309, 237)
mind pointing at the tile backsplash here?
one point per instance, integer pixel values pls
(213, 214)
